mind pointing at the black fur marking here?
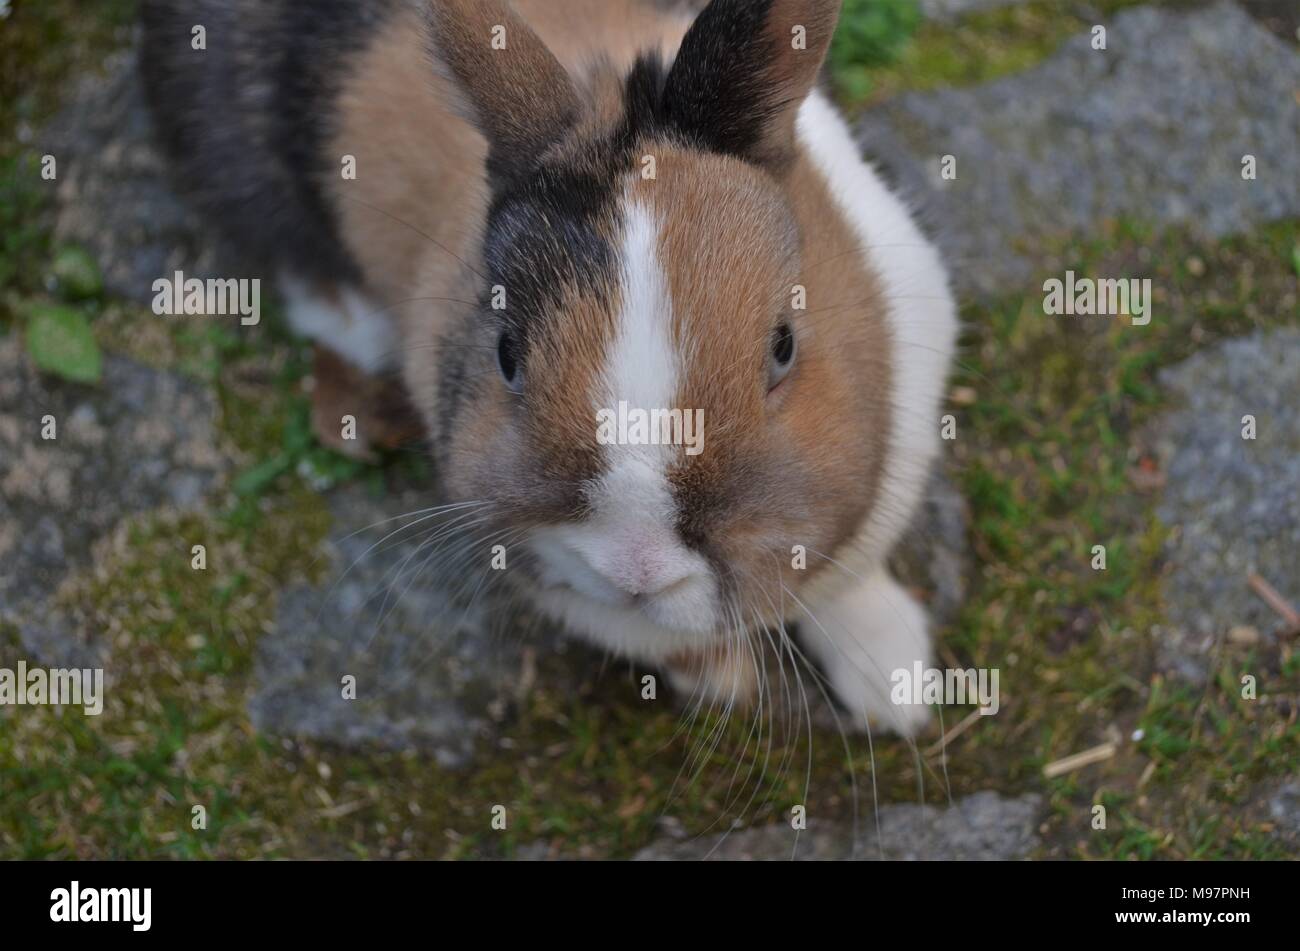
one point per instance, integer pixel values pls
(719, 93)
(245, 121)
(546, 235)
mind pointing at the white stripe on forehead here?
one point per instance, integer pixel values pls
(642, 364)
(641, 369)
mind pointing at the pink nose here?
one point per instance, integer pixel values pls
(640, 572)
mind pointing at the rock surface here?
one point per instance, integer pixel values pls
(1284, 810)
(983, 826)
(115, 196)
(1233, 503)
(933, 555)
(116, 452)
(1155, 126)
(432, 670)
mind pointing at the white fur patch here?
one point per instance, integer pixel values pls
(643, 366)
(860, 638)
(352, 327)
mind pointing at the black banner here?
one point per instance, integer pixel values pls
(144, 900)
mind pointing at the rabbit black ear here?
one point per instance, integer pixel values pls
(743, 70)
(514, 89)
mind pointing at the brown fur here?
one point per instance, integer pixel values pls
(414, 213)
(384, 417)
(793, 75)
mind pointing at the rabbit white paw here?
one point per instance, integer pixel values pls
(860, 640)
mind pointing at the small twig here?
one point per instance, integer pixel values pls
(342, 809)
(1270, 596)
(942, 743)
(1079, 760)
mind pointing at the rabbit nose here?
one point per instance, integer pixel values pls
(640, 571)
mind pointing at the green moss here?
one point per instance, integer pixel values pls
(173, 730)
(24, 231)
(42, 43)
(870, 35)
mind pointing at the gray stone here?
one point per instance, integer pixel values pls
(115, 197)
(1233, 504)
(434, 666)
(983, 826)
(1154, 127)
(122, 447)
(1284, 809)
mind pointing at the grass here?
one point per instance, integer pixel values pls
(1044, 456)
(43, 45)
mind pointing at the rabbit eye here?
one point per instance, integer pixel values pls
(782, 352)
(508, 362)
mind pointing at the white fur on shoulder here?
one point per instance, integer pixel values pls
(352, 325)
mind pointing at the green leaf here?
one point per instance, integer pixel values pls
(254, 481)
(60, 341)
(77, 273)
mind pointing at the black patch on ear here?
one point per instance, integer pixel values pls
(719, 92)
(643, 96)
(718, 95)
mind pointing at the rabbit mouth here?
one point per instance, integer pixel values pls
(646, 627)
(677, 607)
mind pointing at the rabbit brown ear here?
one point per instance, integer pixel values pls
(515, 90)
(743, 70)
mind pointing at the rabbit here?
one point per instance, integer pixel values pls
(557, 207)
